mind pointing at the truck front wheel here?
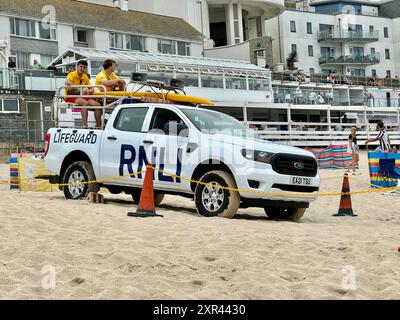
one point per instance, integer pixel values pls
(292, 214)
(212, 200)
(76, 177)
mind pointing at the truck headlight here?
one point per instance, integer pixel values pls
(258, 156)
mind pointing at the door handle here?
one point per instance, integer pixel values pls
(112, 138)
(148, 141)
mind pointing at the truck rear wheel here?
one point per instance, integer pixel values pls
(76, 176)
(213, 201)
(158, 197)
(292, 214)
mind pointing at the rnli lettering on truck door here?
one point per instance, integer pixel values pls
(129, 155)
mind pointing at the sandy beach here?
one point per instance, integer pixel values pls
(96, 252)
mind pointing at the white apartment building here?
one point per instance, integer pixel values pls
(358, 38)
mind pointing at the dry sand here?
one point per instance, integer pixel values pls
(99, 253)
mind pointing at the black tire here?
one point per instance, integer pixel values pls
(158, 197)
(291, 214)
(79, 171)
(225, 202)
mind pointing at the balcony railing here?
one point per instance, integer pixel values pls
(348, 36)
(30, 80)
(369, 59)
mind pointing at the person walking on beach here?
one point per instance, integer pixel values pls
(354, 149)
(383, 138)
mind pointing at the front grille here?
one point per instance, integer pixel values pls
(286, 164)
(291, 188)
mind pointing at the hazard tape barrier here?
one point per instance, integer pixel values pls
(296, 195)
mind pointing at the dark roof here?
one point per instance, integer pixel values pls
(104, 17)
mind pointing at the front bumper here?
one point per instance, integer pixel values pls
(267, 178)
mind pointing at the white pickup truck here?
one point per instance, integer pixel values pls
(193, 144)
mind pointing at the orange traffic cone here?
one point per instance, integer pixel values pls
(146, 207)
(345, 207)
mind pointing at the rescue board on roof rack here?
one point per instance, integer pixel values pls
(162, 95)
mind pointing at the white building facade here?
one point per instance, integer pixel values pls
(351, 37)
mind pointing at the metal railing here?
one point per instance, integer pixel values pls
(331, 97)
(349, 80)
(30, 80)
(345, 35)
(369, 59)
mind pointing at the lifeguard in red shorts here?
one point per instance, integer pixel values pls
(79, 78)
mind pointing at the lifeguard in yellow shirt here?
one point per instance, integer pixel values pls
(79, 78)
(108, 78)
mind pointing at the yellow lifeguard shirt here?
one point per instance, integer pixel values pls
(103, 75)
(77, 80)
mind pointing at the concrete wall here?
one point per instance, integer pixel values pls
(101, 40)
(235, 52)
(65, 36)
(396, 45)
(34, 46)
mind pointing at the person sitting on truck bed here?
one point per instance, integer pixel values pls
(108, 78)
(79, 78)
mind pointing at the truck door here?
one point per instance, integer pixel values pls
(120, 148)
(165, 145)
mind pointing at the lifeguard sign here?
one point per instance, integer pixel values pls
(384, 169)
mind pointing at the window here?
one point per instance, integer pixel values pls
(294, 48)
(309, 27)
(116, 40)
(191, 80)
(134, 42)
(131, 119)
(165, 121)
(23, 28)
(9, 105)
(258, 84)
(46, 31)
(386, 32)
(235, 83)
(80, 36)
(46, 59)
(388, 74)
(387, 54)
(183, 48)
(371, 28)
(372, 51)
(32, 29)
(212, 82)
(166, 46)
(126, 41)
(310, 51)
(358, 72)
(373, 72)
(292, 26)
(23, 60)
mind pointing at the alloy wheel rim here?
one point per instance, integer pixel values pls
(212, 196)
(76, 183)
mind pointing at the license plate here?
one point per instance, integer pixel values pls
(300, 181)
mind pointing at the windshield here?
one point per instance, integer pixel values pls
(218, 123)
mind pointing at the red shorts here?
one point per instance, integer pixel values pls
(72, 100)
